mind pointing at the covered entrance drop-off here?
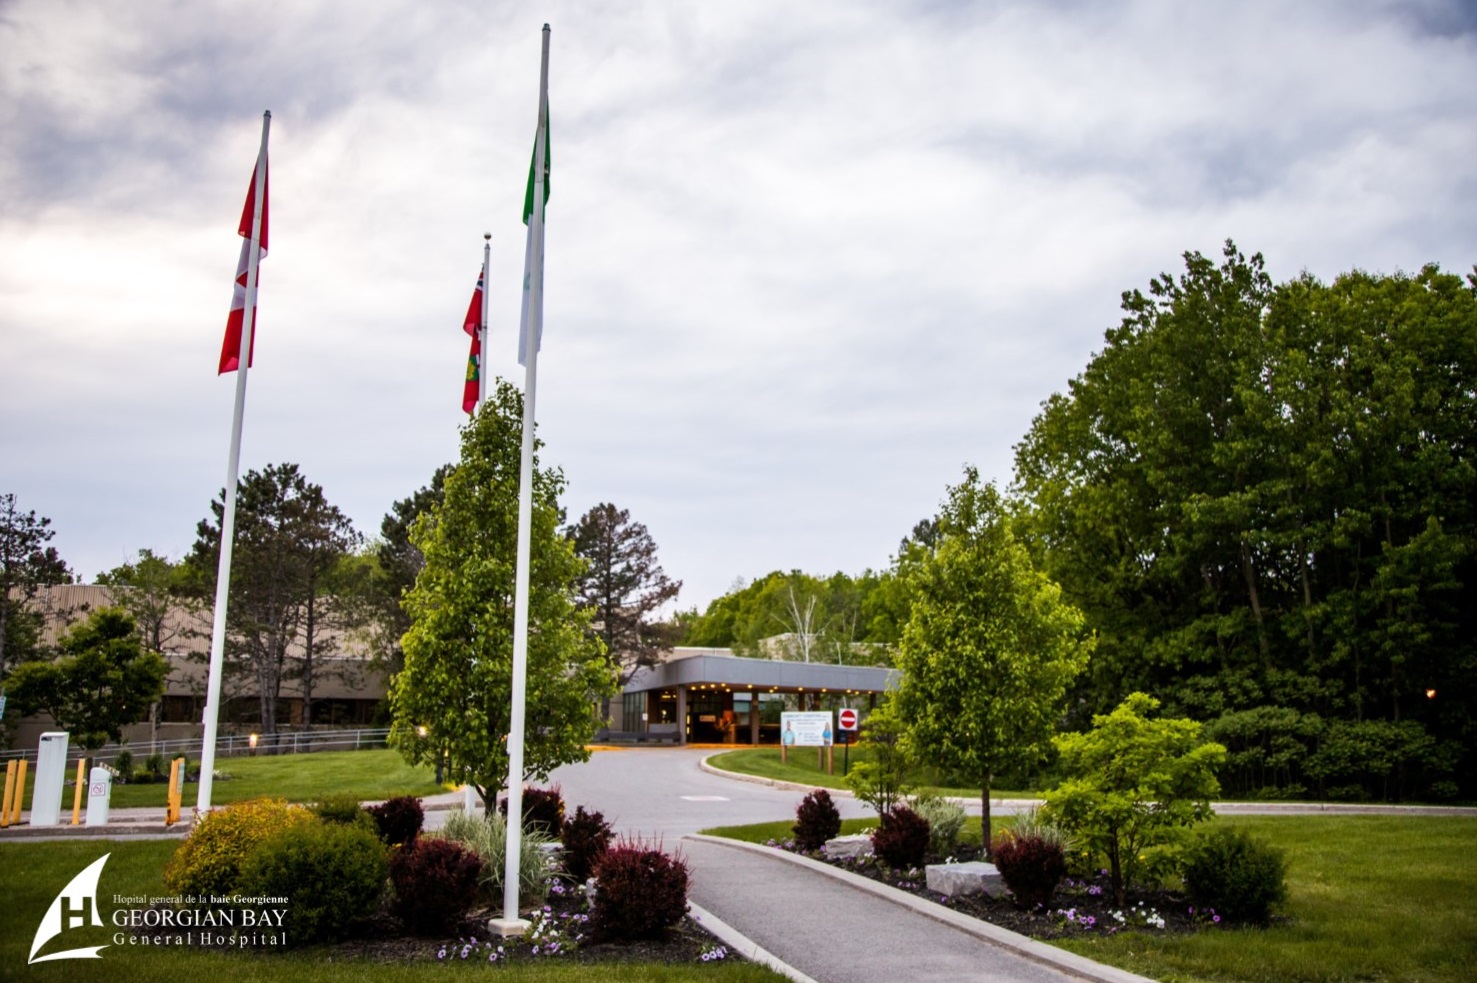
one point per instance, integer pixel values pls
(724, 699)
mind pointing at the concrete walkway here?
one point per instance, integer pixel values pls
(815, 925)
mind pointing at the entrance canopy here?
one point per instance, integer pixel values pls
(709, 695)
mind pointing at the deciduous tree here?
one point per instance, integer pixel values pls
(990, 647)
(453, 698)
(1133, 782)
(103, 680)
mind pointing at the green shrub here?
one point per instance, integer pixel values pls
(901, 839)
(343, 809)
(332, 876)
(1134, 782)
(945, 820)
(435, 883)
(640, 893)
(399, 819)
(487, 836)
(209, 860)
(879, 775)
(123, 765)
(816, 820)
(586, 837)
(1240, 876)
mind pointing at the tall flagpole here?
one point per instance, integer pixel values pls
(228, 515)
(531, 332)
(482, 327)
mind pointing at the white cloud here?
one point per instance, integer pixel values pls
(804, 260)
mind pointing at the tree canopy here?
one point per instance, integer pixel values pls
(103, 680)
(453, 699)
(989, 649)
(27, 564)
(288, 539)
(1263, 496)
(623, 587)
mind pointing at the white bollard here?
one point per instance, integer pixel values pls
(51, 774)
(471, 801)
(99, 791)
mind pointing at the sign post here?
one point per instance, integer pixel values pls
(846, 723)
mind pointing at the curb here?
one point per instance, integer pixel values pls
(737, 776)
(1040, 952)
(1220, 808)
(743, 945)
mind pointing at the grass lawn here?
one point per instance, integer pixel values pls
(803, 768)
(1378, 898)
(33, 873)
(1371, 898)
(370, 775)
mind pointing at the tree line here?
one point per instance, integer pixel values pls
(305, 585)
(1262, 499)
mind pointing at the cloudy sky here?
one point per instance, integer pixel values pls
(805, 260)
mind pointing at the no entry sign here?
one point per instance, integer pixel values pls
(846, 719)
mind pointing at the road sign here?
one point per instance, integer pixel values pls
(846, 719)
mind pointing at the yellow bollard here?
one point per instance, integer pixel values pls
(171, 811)
(9, 791)
(20, 793)
(77, 796)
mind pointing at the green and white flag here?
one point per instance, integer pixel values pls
(531, 321)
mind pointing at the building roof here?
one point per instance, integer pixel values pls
(766, 675)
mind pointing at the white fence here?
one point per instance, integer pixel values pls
(232, 745)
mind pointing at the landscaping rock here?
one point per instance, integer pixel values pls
(855, 845)
(975, 877)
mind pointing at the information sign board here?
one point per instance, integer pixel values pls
(807, 728)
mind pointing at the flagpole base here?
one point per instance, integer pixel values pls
(508, 927)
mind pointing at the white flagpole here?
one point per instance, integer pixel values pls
(228, 515)
(482, 327)
(531, 331)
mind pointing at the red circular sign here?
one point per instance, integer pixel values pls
(847, 719)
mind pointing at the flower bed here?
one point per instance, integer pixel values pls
(1080, 906)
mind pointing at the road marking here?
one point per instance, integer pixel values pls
(706, 798)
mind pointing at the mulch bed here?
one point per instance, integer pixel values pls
(557, 934)
(1082, 905)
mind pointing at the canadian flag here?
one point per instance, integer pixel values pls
(231, 346)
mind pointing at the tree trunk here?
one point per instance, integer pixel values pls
(1256, 604)
(985, 831)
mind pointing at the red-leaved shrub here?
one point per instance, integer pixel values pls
(586, 837)
(816, 820)
(399, 819)
(901, 839)
(1030, 866)
(542, 807)
(435, 884)
(640, 893)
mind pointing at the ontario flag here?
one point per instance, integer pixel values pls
(231, 346)
(472, 324)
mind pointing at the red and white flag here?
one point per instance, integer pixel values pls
(471, 324)
(231, 346)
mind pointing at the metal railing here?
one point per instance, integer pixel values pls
(232, 745)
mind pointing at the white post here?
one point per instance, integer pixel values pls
(510, 923)
(482, 326)
(228, 514)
